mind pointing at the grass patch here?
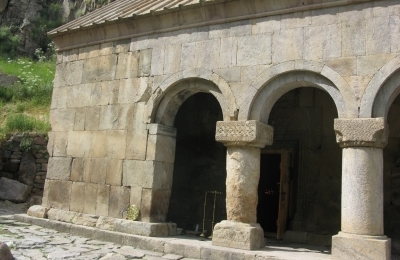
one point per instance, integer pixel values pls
(25, 106)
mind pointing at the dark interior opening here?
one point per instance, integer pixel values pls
(200, 165)
(268, 192)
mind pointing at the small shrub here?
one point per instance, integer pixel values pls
(26, 144)
(23, 123)
(9, 41)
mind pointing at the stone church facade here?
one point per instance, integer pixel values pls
(288, 110)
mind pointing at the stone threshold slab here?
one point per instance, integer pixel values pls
(187, 247)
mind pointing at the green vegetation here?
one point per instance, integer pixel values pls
(25, 105)
(9, 41)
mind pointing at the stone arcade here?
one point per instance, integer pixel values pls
(157, 102)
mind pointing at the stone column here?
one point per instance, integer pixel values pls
(244, 140)
(362, 234)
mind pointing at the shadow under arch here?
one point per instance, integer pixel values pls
(279, 79)
(381, 91)
(171, 93)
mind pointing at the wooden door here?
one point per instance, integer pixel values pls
(284, 193)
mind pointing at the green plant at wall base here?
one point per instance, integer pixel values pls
(24, 123)
(26, 144)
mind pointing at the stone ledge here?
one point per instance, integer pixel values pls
(189, 248)
(105, 223)
(349, 246)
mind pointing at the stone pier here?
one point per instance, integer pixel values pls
(244, 141)
(362, 230)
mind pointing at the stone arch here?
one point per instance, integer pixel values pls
(279, 79)
(381, 90)
(172, 92)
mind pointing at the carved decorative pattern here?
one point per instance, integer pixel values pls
(370, 132)
(242, 133)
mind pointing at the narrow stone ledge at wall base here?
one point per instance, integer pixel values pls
(105, 223)
(350, 246)
(238, 235)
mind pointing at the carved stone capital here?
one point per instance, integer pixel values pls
(361, 132)
(244, 133)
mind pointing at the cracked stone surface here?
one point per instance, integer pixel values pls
(29, 242)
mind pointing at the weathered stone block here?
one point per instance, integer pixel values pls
(116, 141)
(154, 205)
(103, 198)
(104, 93)
(79, 124)
(13, 190)
(61, 215)
(78, 96)
(136, 197)
(238, 235)
(119, 201)
(85, 220)
(322, 42)
(78, 143)
(68, 74)
(27, 169)
(144, 68)
(108, 117)
(161, 148)
(157, 63)
(92, 118)
(38, 211)
(134, 90)
(378, 35)
(254, 50)
(62, 119)
(78, 169)
(136, 144)
(100, 68)
(59, 168)
(125, 118)
(98, 144)
(141, 228)
(97, 170)
(58, 194)
(114, 172)
(353, 38)
(347, 247)
(127, 66)
(105, 223)
(90, 198)
(172, 62)
(287, 45)
(77, 197)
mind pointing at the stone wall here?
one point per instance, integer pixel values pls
(108, 149)
(24, 159)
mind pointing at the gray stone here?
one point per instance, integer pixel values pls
(13, 190)
(38, 211)
(129, 252)
(141, 228)
(295, 237)
(6, 80)
(27, 169)
(5, 253)
(59, 168)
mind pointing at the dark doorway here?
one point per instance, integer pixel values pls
(268, 192)
(199, 166)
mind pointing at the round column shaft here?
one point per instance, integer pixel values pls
(243, 174)
(362, 191)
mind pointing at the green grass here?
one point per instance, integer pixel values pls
(25, 105)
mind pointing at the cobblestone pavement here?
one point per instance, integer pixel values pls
(28, 242)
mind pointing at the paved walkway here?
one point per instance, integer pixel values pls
(31, 242)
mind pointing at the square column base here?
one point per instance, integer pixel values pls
(351, 246)
(238, 235)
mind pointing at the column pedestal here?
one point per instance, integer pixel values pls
(347, 246)
(238, 235)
